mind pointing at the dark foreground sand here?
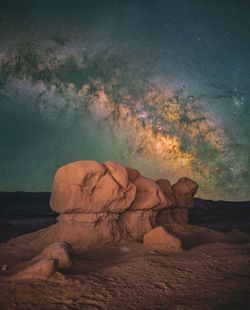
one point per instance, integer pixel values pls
(212, 276)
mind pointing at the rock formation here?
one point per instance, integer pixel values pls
(104, 204)
(101, 204)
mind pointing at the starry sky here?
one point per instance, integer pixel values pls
(179, 68)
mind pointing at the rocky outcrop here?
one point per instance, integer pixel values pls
(102, 204)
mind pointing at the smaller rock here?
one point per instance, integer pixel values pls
(161, 241)
(59, 251)
(40, 270)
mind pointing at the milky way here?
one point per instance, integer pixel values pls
(162, 86)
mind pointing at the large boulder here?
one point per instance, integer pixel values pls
(184, 191)
(90, 187)
(158, 239)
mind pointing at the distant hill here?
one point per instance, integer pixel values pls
(25, 204)
(221, 215)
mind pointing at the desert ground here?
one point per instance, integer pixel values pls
(130, 276)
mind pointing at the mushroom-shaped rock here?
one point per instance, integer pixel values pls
(43, 269)
(148, 195)
(90, 187)
(59, 251)
(166, 188)
(160, 240)
(184, 191)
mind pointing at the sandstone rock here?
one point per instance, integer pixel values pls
(81, 231)
(164, 217)
(172, 216)
(84, 232)
(101, 204)
(89, 187)
(160, 240)
(134, 224)
(40, 270)
(180, 215)
(148, 195)
(59, 251)
(166, 188)
(184, 191)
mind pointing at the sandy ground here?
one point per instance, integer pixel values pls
(130, 276)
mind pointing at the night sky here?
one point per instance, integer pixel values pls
(163, 86)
